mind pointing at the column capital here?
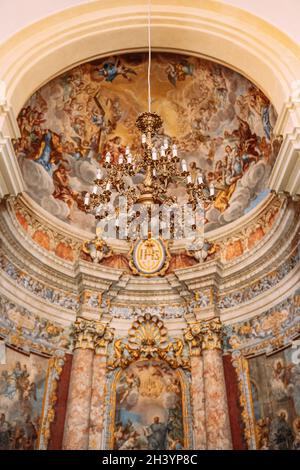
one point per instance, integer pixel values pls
(90, 334)
(212, 332)
(205, 335)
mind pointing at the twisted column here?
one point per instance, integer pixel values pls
(86, 333)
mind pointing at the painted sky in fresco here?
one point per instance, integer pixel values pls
(222, 124)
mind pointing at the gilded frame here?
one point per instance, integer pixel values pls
(164, 266)
(110, 404)
(240, 360)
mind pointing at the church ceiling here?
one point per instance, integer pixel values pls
(220, 121)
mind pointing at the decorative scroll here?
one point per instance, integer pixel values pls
(202, 250)
(97, 249)
(148, 338)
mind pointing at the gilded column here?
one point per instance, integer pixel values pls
(76, 432)
(193, 336)
(218, 433)
(98, 392)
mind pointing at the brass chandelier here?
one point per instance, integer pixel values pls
(159, 165)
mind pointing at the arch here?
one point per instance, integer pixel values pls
(111, 401)
(249, 45)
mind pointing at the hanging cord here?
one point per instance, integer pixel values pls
(149, 56)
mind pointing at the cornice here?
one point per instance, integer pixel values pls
(265, 301)
(34, 304)
(178, 288)
(77, 236)
(270, 252)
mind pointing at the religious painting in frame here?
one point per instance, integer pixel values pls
(269, 387)
(275, 396)
(22, 389)
(149, 408)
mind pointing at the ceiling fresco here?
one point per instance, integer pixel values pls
(220, 121)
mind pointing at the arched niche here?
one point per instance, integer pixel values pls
(148, 408)
(249, 45)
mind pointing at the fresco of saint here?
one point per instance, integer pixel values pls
(275, 384)
(22, 382)
(221, 123)
(148, 408)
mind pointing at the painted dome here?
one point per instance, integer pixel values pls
(221, 122)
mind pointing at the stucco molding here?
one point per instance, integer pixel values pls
(54, 44)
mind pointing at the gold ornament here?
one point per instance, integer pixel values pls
(148, 339)
(212, 332)
(90, 334)
(97, 249)
(149, 123)
(193, 335)
(205, 335)
(149, 257)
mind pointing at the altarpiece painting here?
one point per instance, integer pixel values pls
(22, 386)
(149, 407)
(275, 387)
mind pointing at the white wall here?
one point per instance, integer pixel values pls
(16, 14)
(284, 14)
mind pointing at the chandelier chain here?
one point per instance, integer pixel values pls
(149, 56)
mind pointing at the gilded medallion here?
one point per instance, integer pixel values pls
(149, 257)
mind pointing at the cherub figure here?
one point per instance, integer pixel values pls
(110, 70)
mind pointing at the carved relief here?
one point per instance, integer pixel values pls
(266, 334)
(205, 335)
(148, 338)
(96, 249)
(90, 334)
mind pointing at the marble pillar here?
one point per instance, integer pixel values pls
(88, 335)
(97, 402)
(76, 432)
(193, 336)
(198, 400)
(218, 433)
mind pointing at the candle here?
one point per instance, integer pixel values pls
(189, 179)
(183, 165)
(162, 151)
(120, 159)
(144, 138)
(107, 157)
(211, 189)
(127, 151)
(174, 150)
(154, 172)
(95, 189)
(154, 154)
(166, 143)
(200, 179)
(98, 174)
(87, 199)
(129, 159)
(107, 186)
